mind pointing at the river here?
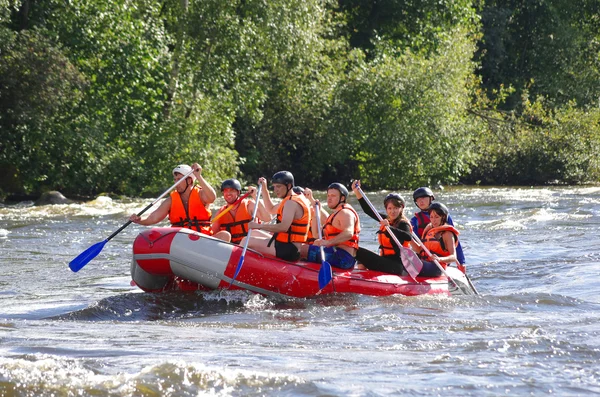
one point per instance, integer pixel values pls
(533, 254)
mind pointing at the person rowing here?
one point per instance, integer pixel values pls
(389, 259)
(285, 238)
(232, 219)
(341, 229)
(188, 205)
(423, 197)
(440, 238)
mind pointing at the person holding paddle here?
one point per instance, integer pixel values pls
(340, 229)
(389, 259)
(440, 238)
(285, 238)
(423, 197)
(232, 219)
(188, 205)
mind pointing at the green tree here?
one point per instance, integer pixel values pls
(540, 145)
(549, 48)
(404, 120)
(38, 88)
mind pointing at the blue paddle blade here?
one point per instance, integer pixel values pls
(86, 256)
(411, 262)
(237, 269)
(325, 274)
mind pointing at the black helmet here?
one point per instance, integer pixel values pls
(232, 184)
(423, 192)
(394, 196)
(298, 189)
(439, 207)
(283, 177)
(339, 187)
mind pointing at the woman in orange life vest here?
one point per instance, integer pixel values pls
(388, 260)
(441, 240)
(233, 226)
(285, 238)
(340, 230)
(423, 197)
(188, 205)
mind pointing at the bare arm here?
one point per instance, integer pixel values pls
(449, 243)
(291, 210)
(207, 193)
(262, 212)
(267, 202)
(313, 223)
(156, 216)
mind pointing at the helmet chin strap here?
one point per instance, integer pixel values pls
(340, 201)
(188, 184)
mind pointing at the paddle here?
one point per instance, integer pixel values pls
(470, 283)
(437, 263)
(325, 275)
(226, 210)
(410, 260)
(86, 256)
(241, 262)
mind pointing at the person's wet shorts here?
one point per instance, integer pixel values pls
(286, 251)
(335, 257)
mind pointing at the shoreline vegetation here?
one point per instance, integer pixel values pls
(108, 96)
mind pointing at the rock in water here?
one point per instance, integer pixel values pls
(52, 197)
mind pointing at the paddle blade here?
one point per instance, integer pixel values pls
(411, 262)
(86, 256)
(325, 274)
(237, 269)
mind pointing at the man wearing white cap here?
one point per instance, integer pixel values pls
(188, 205)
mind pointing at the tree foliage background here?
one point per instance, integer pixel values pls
(108, 96)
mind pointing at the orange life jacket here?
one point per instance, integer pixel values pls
(434, 241)
(329, 231)
(236, 225)
(195, 216)
(298, 230)
(385, 243)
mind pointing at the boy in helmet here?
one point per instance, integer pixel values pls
(285, 238)
(233, 224)
(188, 205)
(423, 197)
(340, 229)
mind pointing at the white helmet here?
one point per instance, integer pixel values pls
(183, 169)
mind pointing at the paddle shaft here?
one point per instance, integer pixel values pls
(150, 205)
(387, 228)
(320, 231)
(226, 210)
(86, 256)
(325, 272)
(241, 262)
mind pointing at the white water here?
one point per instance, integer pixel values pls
(534, 256)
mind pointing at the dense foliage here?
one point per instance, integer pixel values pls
(107, 96)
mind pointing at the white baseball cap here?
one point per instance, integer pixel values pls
(183, 169)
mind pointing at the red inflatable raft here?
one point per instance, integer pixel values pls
(167, 259)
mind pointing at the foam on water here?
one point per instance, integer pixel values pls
(43, 375)
(533, 254)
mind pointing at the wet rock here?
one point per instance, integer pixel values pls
(52, 197)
